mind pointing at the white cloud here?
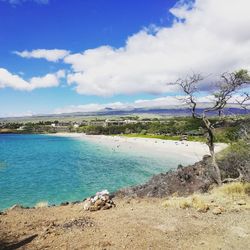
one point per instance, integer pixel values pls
(52, 55)
(168, 101)
(8, 79)
(21, 114)
(209, 36)
(95, 107)
(16, 2)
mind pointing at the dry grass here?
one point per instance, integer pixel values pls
(42, 204)
(228, 196)
(195, 201)
(232, 190)
(199, 203)
(184, 203)
(247, 188)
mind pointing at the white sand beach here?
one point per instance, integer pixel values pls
(149, 146)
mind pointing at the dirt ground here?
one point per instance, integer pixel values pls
(132, 224)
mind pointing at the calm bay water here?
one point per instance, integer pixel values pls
(36, 168)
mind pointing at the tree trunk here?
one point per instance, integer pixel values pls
(193, 108)
(216, 167)
(210, 144)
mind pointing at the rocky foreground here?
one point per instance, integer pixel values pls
(132, 224)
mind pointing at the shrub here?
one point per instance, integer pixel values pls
(233, 190)
(177, 202)
(234, 157)
(199, 203)
(185, 203)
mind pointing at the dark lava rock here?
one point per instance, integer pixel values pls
(75, 202)
(187, 180)
(184, 181)
(64, 203)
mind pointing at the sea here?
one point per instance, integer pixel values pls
(53, 169)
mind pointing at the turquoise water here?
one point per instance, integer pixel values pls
(36, 168)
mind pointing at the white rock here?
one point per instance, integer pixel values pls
(87, 204)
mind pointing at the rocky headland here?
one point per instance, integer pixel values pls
(187, 180)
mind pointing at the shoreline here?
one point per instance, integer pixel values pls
(150, 147)
(147, 147)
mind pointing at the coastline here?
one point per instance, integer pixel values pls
(149, 146)
(141, 218)
(186, 152)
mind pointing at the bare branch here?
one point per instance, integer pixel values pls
(243, 103)
(189, 86)
(230, 82)
(229, 180)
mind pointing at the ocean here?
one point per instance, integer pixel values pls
(35, 168)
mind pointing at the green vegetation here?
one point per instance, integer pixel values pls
(177, 128)
(240, 148)
(174, 128)
(167, 137)
(171, 126)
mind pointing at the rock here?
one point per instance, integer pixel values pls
(93, 208)
(106, 206)
(241, 203)
(99, 203)
(179, 166)
(87, 204)
(101, 200)
(217, 210)
(185, 181)
(105, 197)
(64, 203)
(75, 202)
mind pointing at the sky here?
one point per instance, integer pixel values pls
(83, 55)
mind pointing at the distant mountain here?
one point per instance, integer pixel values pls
(108, 111)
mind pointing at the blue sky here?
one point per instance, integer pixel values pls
(73, 25)
(114, 50)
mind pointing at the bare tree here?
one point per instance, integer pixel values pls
(189, 86)
(227, 86)
(244, 101)
(229, 83)
(245, 105)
